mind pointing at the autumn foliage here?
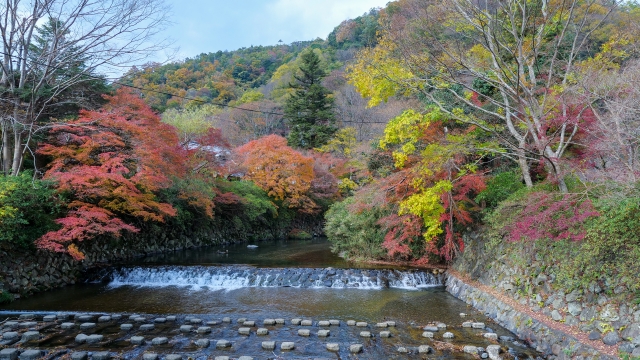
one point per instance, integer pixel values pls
(111, 162)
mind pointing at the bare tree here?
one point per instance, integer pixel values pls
(51, 47)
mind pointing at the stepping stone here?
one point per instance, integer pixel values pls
(441, 326)
(447, 335)
(244, 331)
(262, 331)
(116, 317)
(385, 334)
(324, 323)
(467, 324)
(49, 318)
(249, 323)
(242, 320)
(430, 328)
(134, 316)
(296, 321)
(470, 349)
(86, 326)
(351, 323)
(94, 339)
(366, 334)
(391, 323)
(491, 336)
(147, 327)
(149, 356)
(382, 325)
(221, 358)
(27, 324)
(11, 324)
(186, 328)
(427, 334)
(355, 348)
(403, 350)
(27, 316)
(195, 321)
(81, 338)
(493, 351)
(304, 332)
(137, 340)
(79, 355)
(173, 357)
(62, 316)
(84, 318)
(323, 333)
(140, 319)
(9, 354)
(333, 346)
(159, 341)
(245, 358)
(160, 320)
(425, 349)
(306, 323)
(12, 335)
(280, 321)
(334, 322)
(126, 327)
(30, 354)
(269, 322)
(269, 345)
(213, 323)
(30, 336)
(463, 314)
(361, 324)
(287, 345)
(223, 344)
(226, 320)
(171, 318)
(104, 319)
(67, 326)
(203, 343)
(101, 355)
(477, 325)
(203, 330)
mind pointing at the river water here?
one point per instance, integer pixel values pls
(280, 279)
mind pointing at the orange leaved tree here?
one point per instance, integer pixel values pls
(284, 173)
(111, 162)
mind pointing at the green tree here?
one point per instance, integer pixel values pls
(309, 109)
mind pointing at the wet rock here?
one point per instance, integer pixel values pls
(249, 323)
(195, 321)
(430, 328)
(262, 331)
(27, 324)
(490, 336)
(323, 333)
(30, 336)
(173, 357)
(67, 325)
(126, 327)
(87, 326)
(84, 317)
(171, 318)
(365, 334)
(470, 349)
(116, 317)
(149, 356)
(79, 355)
(287, 345)
(304, 332)
(223, 344)
(611, 338)
(403, 350)
(441, 326)
(306, 323)
(159, 341)
(425, 349)
(221, 358)
(467, 324)
(280, 321)
(30, 354)
(140, 319)
(137, 340)
(477, 325)
(49, 318)
(244, 331)
(105, 318)
(494, 352)
(186, 328)
(427, 334)
(63, 316)
(102, 355)
(160, 320)
(334, 322)
(94, 339)
(203, 343)
(81, 338)
(361, 324)
(241, 320)
(9, 354)
(269, 322)
(351, 323)
(11, 324)
(382, 325)
(391, 323)
(296, 321)
(147, 327)
(385, 334)
(324, 323)
(269, 345)
(506, 338)
(226, 319)
(213, 323)
(203, 330)
(333, 347)
(245, 358)
(355, 348)
(11, 335)
(447, 335)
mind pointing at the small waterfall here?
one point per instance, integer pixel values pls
(235, 277)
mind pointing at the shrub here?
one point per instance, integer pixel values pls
(499, 188)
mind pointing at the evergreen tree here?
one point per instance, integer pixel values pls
(309, 109)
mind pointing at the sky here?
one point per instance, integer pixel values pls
(203, 26)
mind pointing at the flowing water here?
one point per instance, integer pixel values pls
(282, 279)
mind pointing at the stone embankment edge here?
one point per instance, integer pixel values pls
(535, 333)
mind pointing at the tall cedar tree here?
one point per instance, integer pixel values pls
(309, 109)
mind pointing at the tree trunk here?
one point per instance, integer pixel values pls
(524, 167)
(6, 148)
(17, 151)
